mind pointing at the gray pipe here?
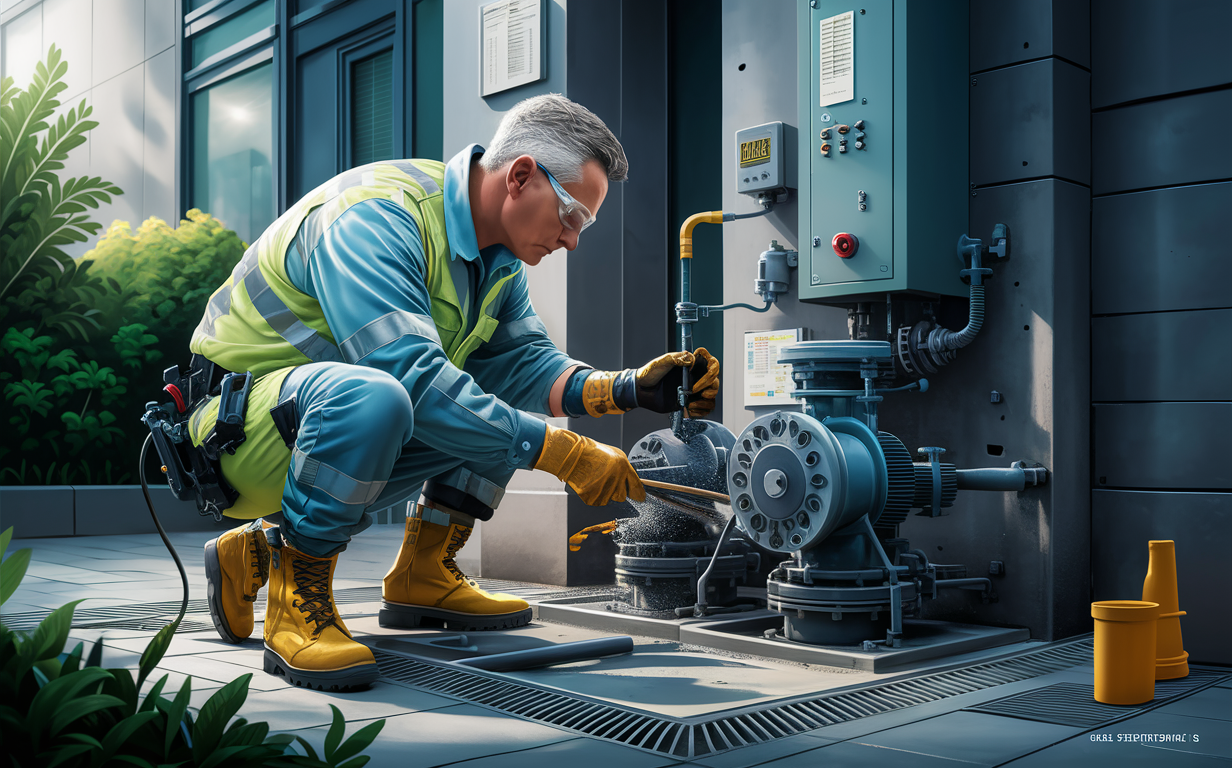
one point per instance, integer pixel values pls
(1012, 478)
(561, 653)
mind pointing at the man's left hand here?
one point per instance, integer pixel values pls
(658, 382)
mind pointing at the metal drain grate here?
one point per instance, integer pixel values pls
(1074, 704)
(123, 616)
(699, 737)
(153, 624)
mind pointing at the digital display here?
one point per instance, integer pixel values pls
(754, 152)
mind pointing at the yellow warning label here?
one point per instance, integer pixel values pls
(754, 152)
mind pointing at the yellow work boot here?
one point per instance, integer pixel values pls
(236, 566)
(425, 582)
(305, 639)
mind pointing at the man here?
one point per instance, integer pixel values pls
(386, 323)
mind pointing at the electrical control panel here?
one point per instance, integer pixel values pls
(883, 168)
(760, 159)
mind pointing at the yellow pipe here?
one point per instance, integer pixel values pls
(686, 230)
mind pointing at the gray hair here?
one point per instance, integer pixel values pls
(559, 133)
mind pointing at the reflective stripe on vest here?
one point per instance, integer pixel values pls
(259, 322)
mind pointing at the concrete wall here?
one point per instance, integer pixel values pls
(759, 86)
(535, 502)
(1161, 296)
(123, 60)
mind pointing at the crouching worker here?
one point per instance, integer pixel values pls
(395, 356)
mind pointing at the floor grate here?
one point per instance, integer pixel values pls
(1074, 704)
(699, 737)
(96, 618)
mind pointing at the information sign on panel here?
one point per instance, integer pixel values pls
(765, 381)
(511, 48)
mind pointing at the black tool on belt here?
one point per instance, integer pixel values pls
(193, 471)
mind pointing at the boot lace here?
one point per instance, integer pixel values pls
(312, 578)
(260, 561)
(457, 539)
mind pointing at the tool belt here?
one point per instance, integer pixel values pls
(193, 471)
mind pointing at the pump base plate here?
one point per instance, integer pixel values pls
(923, 639)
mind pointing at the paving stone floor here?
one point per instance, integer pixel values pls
(425, 729)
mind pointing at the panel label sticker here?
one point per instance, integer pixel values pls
(837, 52)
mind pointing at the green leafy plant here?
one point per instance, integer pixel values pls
(39, 215)
(78, 359)
(60, 709)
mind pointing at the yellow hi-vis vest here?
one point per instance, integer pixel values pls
(259, 322)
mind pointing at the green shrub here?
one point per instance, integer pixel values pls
(78, 360)
(170, 273)
(57, 709)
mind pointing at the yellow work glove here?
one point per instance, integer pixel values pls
(654, 386)
(599, 473)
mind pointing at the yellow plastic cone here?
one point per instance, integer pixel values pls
(1124, 651)
(1160, 587)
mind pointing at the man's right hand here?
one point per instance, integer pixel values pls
(599, 473)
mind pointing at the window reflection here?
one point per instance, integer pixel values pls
(226, 34)
(233, 151)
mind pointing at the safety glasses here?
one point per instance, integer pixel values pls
(573, 214)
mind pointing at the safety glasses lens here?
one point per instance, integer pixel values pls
(576, 217)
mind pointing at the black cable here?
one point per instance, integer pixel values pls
(145, 489)
(762, 212)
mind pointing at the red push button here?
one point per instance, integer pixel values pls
(845, 245)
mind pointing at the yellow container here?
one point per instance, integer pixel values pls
(1172, 661)
(1125, 651)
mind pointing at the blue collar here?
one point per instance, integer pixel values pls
(459, 224)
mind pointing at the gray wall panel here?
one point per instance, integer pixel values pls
(1012, 31)
(618, 280)
(1162, 445)
(1163, 249)
(119, 38)
(68, 24)
(1162, 143)
(1162, 356)
(1123, 522)
(753, 38)
(117, 145)
(1029, 121)
(1034, 349)
(1143, 48)
(501, 545)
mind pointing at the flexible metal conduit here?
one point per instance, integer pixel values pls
(944, 340)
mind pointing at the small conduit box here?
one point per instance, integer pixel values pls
(760, 159)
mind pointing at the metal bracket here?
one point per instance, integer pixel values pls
(934, 459)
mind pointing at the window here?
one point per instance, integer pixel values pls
(372, 105)
(231, 31)
(232, 151)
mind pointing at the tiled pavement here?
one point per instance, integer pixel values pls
(425, 729)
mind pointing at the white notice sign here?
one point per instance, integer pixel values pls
(765, 381)
(511, 48)
(838, 59)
